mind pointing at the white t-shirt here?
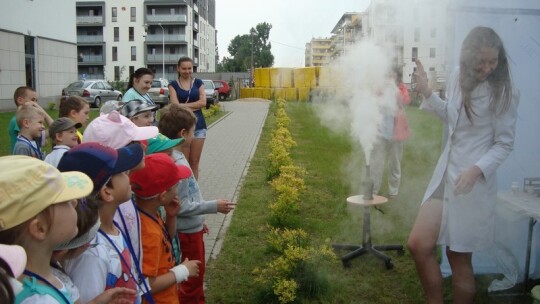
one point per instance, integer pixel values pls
(56, 154)
(101, 268)
(46, 299)
(68, 283)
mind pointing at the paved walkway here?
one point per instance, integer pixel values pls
(229, 146)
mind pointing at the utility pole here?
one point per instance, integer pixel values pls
(252, 72)
(163, 47)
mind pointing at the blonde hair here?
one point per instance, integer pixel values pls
(26, 111)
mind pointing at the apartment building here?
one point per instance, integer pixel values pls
(345, 33)
(318, 52)
(114, 38)
(411, 30)
(35, 51)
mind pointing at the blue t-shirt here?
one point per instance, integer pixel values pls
(191, 95)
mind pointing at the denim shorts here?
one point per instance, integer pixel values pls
(201, 133)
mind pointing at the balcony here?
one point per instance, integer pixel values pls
(90, 20)
(158, 58)
(91, 76)
(195, 8)
(166, 18)
(196, 61)
(91, 60)
(90, 39)
(157, 38)
(195, 26)
(196, 42)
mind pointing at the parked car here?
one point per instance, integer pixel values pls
(95, 91)
(160, 92)
(224, 91)
(211, 92)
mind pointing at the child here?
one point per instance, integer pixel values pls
(110, 263)
(162, 144)
(29, 141)
(140, 112)
(116, 131)
(154, 186)
(37, 212)
(179, 122)
(63, 133)
(77, 109)
(22, 96)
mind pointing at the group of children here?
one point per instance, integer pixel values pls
(114, 215)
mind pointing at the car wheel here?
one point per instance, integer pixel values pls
(119, 98)
(97, 102)
(222, 97)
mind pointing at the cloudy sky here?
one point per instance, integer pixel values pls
(294, 23)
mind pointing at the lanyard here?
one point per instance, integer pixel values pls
(130, 248)
(189, 92)
(128, 238)
(36, 149)
(42, 279)
(165, 232)
(146, 97)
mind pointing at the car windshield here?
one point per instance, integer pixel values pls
(156, 84)
(79, 84)
(208, 84)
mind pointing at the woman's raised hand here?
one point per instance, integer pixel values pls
(422, 86)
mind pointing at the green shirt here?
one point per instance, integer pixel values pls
(13, 130)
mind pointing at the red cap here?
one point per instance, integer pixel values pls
(159, 174)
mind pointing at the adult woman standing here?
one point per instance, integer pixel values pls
(458, 206)
(140, 82)
(189, 92)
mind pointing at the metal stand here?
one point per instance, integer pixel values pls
(367, 247)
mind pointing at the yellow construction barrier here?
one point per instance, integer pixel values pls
(257, 93)
(246, 92)
(286, 77)
(266, 93)
(303, 94)
(257, 79)
(264, 74)
(310, 77)
(275, 77)
(279, 93)
(299, 78)
(291, 94)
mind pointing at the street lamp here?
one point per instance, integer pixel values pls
(163, 49)
(252, 31)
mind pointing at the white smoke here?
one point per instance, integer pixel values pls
(365, 94)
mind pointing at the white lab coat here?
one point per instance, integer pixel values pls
(467, 223)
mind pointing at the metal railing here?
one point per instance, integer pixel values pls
(166, 18)
(167, 58)
(89, 19)
(89, 38)
(168, 38)
(92, 59)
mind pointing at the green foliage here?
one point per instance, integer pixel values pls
(241, 47)
(51, 105)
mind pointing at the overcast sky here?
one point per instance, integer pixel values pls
(294, 23)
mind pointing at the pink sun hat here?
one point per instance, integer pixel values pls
(116, 131)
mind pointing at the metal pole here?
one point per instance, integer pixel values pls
(251, 80)
(163, 47)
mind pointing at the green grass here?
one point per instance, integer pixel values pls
(326, 217)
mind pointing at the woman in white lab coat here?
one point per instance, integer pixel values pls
(458, 207)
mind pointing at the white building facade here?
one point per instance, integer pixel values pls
(117, 37)
(36, 51)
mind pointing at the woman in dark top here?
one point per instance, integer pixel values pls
(189, 92)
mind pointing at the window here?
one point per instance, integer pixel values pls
(116, 33)
(432, 52)
(133, 53)
(114, 53)
(170, 30)
(131, 69)
(133, 14)
(116, 72)
(114, 14)
(172, 50)
(414, 53)
(433, 33)
(416, 34)
(432, 69)
(173, 11)
(131, 33)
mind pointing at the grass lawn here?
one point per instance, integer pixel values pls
(5, 117)
(326, 217)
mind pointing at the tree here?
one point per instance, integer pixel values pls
(240, 49)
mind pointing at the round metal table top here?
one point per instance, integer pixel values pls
(359, 200)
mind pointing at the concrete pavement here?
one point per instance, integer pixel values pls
(228, 148)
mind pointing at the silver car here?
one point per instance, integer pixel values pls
(160, 92)
(211, 93)
(94, 90)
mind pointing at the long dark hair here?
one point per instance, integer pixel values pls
(499, 79)
(140, 72)
(6, 292)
